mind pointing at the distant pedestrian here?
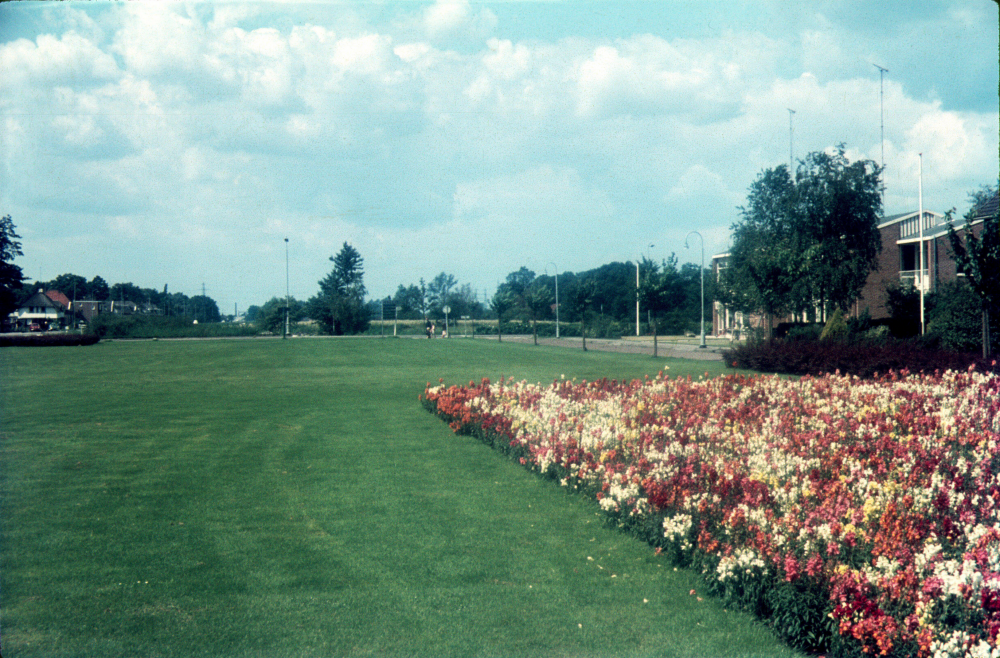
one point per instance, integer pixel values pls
(433, 329)
(428, 328)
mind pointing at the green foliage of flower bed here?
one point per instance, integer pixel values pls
(862, 358)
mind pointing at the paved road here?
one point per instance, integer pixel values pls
(627, 346)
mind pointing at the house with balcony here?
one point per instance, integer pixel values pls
(904, 237)
(898, 263)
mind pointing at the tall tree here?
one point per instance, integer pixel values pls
(764, 269)
(204, 309)
(408, 301)
(660, 290)
(98, 289)
(271, 316)
(339, 307)
(518, 282)
(537, 301)
(73, 286)
(439, 291)
(978, 256)
(11, 276)
(128, 292)
(841, 205)
(581, 300)
(500, 304)
(529, 296)
(808, 241)
(463, 302)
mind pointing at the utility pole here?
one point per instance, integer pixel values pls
(287, 297)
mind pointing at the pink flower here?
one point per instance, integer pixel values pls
(814, 566)
(791, 568)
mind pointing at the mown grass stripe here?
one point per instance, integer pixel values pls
(293, 498)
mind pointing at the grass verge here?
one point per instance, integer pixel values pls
(292, 498)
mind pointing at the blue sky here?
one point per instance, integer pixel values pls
(181, 143)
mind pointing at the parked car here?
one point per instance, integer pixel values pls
(34, 326)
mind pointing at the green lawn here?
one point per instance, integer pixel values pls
(292, 498)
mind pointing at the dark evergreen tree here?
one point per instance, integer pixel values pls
(339, 307)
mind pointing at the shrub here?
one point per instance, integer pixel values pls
(157, 326)
(863, 359)
(956, 320)
(804, 331)
(836, 328)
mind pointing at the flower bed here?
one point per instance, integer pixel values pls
(859, 516)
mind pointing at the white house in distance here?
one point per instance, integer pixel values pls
(38, 313)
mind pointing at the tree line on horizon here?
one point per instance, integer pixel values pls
(803, 246)
(607, 292)
(171, 304)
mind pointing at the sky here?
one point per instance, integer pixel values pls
(181, 144)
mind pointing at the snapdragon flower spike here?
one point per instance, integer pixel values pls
(885, 492)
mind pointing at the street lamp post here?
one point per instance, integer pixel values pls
(637, 292)
(636, 297)
(287, 297)
(556, 268)
(702, 346)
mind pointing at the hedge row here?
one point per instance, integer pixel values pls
(41, 340)
(863, 359)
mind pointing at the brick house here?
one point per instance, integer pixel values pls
(88, 308)
(899, 262)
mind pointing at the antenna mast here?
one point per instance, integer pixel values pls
(791, 160)
(881, 108)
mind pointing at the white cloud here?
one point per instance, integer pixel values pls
(155, 39)
(457, 18)
(435, 139)
(50, 61)
(446, 15)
